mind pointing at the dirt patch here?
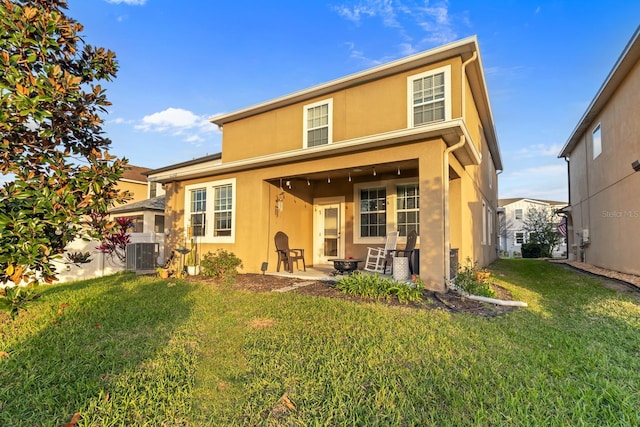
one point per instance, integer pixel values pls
(450, 301)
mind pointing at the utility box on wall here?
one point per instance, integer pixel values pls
(141, 257)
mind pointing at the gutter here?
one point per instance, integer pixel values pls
(445, 174)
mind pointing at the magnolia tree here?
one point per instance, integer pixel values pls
(58, 176)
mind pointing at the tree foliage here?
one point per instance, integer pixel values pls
(541, 226)
(53, 155)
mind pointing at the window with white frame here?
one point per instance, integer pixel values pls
(518, 213)
(489, 226)
(198, 209)
(408, 208)
(222, 210)
(318, 123)
(519, 238)
(385, 206)
(429, 97)
(373, 212)
(484, 223)
(210, 211)
(596, 136)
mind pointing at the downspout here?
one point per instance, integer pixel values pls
(445, 173)
(447, 233)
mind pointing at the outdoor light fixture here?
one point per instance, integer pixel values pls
(328, 180)
(308, 183)
(636, 166)
(398, 171)
(349, 176)
(374, 172)
(288, 183)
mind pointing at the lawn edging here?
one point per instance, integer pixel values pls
(496, 301)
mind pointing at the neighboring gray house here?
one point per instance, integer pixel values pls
(511, 216)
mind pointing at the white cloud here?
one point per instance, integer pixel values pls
(179, 122)
(419, 25)
(129, 2)
(548, 181)
(537, 150)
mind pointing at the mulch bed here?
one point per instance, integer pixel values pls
(450, 301)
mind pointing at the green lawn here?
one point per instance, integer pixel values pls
(131, 351)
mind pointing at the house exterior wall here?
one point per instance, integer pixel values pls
(372, 108)
(138, 190)
(603, 189)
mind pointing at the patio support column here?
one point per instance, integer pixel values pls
(432, 215)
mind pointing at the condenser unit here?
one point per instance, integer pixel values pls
(141, 257)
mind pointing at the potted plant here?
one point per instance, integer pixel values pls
(163, 273)
(192, 268)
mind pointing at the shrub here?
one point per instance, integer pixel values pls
(221, 265)
(468, 280)
(531, 250)
(377, 287)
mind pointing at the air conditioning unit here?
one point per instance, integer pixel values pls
(141, 257)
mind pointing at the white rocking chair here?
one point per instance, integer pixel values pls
(377, 258)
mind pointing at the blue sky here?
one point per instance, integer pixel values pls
(182, 62)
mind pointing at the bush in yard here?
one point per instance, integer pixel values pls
(377, 287)
(531, 250)
(221, 265)
(468, 280)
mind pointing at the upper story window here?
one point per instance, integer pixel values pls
(597, 141)
(210, 211)
(429, 97)
(518, 213)
(318, 123)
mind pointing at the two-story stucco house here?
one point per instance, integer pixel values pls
(410, 144)
(603, 157)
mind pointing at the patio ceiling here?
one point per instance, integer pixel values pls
(359, 173)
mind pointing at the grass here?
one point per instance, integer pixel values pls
(136, 351)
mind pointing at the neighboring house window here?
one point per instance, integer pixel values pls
(210, 211)
(519, 238)
(373, 212)
(408, 208)
(429, 97)
(597, 141)
(153, 190)
(223, 210)
(318, 121)
(518, 213)
(489, 226)
(158, 225)
(198, 212)
(137, 223)
(484, 223)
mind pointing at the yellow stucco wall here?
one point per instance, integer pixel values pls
(368, 109)
(138, 190)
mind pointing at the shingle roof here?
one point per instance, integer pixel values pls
(135, 173)
(153, 204)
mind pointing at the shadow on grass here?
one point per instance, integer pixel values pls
(80, 340)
